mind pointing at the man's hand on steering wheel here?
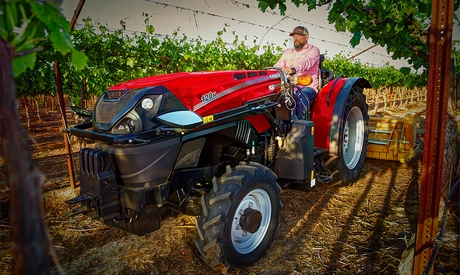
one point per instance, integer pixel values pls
(289, 71)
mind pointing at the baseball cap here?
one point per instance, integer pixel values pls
(299, 30)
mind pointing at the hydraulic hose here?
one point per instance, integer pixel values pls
(441, 232)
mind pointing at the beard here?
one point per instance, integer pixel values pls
(299, 45)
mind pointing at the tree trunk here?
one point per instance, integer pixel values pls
(451, 149)
(37, 103)
(46, 103)
(457, 119)
(30, 238)
(26, 107)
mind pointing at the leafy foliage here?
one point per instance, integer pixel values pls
(400, 26)
(24, 22)
(456, 55)
(377, 77)
(116, 56)
(26, 27)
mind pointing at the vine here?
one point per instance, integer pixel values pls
(115, 56)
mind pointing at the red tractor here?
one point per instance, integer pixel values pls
(220, 146)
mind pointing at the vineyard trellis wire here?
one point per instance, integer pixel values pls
(115, 57)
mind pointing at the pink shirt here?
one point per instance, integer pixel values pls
(304, 61)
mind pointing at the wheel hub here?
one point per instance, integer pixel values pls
(250, 221)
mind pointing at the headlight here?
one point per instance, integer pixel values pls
(147, 103)
(140, 118)
(303, 80)
(131, 125)
(120, 129)
(128, 125)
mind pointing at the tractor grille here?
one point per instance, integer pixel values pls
(106, 109)
(243, 131)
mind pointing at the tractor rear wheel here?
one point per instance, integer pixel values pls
(353, 137)
(239, 217)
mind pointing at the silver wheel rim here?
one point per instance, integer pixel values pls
(243, 241)
(353, 137)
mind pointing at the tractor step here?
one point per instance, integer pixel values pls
(318, 151)
(324, 177)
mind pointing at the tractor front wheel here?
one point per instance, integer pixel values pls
(239, 217)
(353, 137)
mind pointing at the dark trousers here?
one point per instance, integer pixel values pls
(304, 98)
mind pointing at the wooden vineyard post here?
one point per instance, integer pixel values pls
(68, 147)
(435, 133)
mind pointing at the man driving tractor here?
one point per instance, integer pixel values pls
(302, 59)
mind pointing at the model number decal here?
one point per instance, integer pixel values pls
(208, 119)
(208, 97)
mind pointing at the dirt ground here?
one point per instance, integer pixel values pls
(362, 229)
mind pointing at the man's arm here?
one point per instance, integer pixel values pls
(282, 61)
(308, 60)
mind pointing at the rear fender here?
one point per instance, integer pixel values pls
(328, 111)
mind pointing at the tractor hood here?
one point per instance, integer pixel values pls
(134, 106)
(205, 92)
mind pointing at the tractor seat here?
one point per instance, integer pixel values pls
(324, 75)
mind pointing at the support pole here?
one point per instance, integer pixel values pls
(435, 133)
(363, 51)
(67, 145)
(76, 14)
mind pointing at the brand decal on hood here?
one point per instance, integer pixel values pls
(208, 97)
(211, 96)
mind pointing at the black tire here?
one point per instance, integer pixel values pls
(221, 239)
(354, 132)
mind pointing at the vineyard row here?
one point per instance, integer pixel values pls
(381, 98)
(393, 98)
(114, 57)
